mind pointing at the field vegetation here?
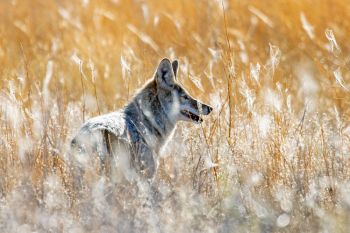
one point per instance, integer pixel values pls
(272, 157)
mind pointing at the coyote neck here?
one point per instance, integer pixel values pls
(148, 120)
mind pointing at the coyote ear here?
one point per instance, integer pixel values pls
(175, 65)
(164, 75)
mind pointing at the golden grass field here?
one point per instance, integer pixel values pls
(272, 157)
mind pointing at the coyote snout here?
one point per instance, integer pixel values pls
(191, 109)
(131, 137)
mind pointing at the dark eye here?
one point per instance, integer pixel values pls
(185, 97)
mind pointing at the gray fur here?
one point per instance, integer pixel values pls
(129, 140)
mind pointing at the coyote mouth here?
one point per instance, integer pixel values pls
(192, 116)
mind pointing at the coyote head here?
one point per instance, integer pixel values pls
(174, 99)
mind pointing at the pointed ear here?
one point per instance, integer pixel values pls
(175, 65)
(165, 77)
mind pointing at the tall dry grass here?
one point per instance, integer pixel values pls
(273, 157)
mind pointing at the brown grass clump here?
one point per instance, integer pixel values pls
(273, 157)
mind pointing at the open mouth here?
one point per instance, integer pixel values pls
(191, 116)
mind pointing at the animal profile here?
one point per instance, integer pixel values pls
(128, 140)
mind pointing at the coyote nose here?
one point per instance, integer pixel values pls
(208, 109)
(204, 109)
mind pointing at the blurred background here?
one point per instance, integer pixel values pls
(274, 155)
(135, 35)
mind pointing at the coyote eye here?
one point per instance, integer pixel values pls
(184, 97)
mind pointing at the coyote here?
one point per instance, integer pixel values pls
(128, 140)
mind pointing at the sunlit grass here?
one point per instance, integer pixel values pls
(273, 156)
